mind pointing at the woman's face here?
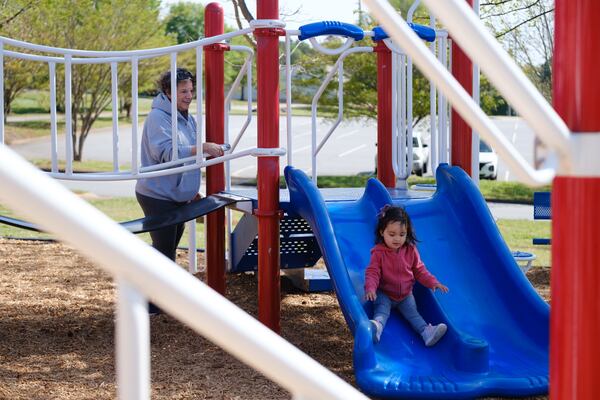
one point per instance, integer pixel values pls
(185, 94)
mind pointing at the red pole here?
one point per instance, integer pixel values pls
(385, 170)
(268, 167)
(215, 132)
(575, 318)
(462, 137)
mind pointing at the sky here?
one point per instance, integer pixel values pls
(309, 10)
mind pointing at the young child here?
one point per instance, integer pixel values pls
(395, 265)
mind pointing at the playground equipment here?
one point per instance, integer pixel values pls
(473, 364)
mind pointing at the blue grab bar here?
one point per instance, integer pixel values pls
(331, 28)
(424, 32)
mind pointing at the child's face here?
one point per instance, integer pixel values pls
(394, 235)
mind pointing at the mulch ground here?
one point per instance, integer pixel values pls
(57, 333)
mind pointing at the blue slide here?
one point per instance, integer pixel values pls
(498, 327)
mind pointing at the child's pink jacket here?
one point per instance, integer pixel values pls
(394, 272)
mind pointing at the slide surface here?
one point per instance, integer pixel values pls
(498, 327)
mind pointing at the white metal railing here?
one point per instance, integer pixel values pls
(402, 94)
(339, 69)
(143, 272)
(70, 57)
(502, 71)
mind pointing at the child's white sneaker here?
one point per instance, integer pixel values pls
(432, 334)
(377, 328)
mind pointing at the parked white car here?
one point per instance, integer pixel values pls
(420, 155)
(488, 161)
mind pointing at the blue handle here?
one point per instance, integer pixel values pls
(424, 32)
(331, 28)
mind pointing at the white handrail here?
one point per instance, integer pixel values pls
(54, 208)
(315, 100)
(68, 118)
(461, 101)
(126, 53)
(154, 171)
(503, 72)
(246, 69)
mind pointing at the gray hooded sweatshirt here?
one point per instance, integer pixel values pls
(157, 147)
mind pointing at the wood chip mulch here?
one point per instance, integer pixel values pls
(57, 332)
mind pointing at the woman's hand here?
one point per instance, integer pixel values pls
(443, 288)
(370, 296)
(212, 149)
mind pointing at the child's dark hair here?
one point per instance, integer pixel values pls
(390, 214)
(164, 82)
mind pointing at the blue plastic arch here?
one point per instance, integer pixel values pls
(331, 28)
(424, 32)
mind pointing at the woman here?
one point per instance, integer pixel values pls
(163, 194)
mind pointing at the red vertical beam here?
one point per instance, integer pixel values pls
(385, 171)
(215, 132)
(575, 318)
(267, 40)
(462, 137)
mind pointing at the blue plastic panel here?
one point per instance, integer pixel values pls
(424, 32)
(498, 327)
(331, 28)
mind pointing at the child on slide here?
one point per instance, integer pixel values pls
(395, 265)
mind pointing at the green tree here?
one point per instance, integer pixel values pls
(185, 21)
(526, 29)
(99, 25)
(19, 74)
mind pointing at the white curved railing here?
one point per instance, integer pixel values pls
(502, 71)
(141, 272)
(402, 130)
(338, 69)
(70, 57)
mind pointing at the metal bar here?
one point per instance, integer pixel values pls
(128, 53)
(155, 171)
(268, 168)
(115, 115)
(199, 105)
(135, 167)
(475, 137)
(132, 343)
(174, 112)
(395, 112)
(68, 118)
(316, 98)
(215, 132)
(574, 323)
(53, 124)
(288, 97)
(433, 124)
(192, 256)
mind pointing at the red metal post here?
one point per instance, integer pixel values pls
(385, 170)
(575, 319)
(268, 167)
(215, 132)
(462, 136)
